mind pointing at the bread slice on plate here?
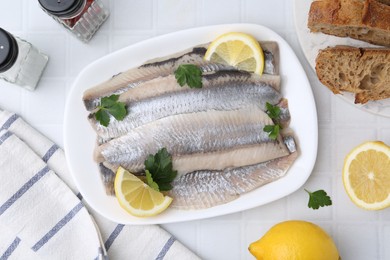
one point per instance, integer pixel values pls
(367, 20)
(363, 71)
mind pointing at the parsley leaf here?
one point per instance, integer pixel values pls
(318, 199)
(272, 130)
(118, 110)
(150, 181)
(110, 106)
(189, 74)
(160, 168)
(272, 111)
(103, 117)
(109, 101)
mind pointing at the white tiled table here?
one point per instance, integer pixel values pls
(359, 234)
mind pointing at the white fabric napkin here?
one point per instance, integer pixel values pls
(43, 216)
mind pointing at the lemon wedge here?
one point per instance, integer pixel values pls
(136, 197)
(239, 50)
(366, 175)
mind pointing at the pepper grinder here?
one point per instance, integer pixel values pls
(81, 17)
(20, 62)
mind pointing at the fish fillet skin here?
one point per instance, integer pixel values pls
(187, 134)
(107, 176)
(225, 91)
(284, 117)
(208, 188)
(271, 57)
(217, 160)
(165, 66)
(132, 77)
(284, 121)
(278, 167)
(168, 84)
(234, 157)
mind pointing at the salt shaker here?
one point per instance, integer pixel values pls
(81, 17)
(20, 62)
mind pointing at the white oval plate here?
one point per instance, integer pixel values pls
(311, 43)
(79, 138)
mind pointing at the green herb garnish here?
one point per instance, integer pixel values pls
(150, 181)
(274, 113)
(189, 74)
(110, 106)
(318, 199)
(160, 170)
(272, 130)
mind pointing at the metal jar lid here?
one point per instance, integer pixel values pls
(62, 8)
(8, 50)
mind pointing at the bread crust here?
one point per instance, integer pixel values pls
(367, 20)
(376, 15)
(335, 12)
(386, 2)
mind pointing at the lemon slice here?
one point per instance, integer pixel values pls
(366, 175)
(136, 197)
(239, 50)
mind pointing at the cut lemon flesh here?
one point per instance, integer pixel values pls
(136, 197)
(366, 175)
(239, 50)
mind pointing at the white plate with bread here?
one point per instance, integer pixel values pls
(351, 66)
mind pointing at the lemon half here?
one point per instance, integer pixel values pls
(239, 50)
(136, 197)
(366, 175)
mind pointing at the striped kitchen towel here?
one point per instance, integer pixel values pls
(43, 216)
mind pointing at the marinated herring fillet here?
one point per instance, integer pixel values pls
(224, 90)
(208, 188)
(282, 164)
(284, 119)
(125, 80)
(165, 66)
(168, 84)
(107, 176)
(211, 138)
(107, 170)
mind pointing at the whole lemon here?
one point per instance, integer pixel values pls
(295, 239)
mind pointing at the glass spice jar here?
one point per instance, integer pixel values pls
(82, 17)
(20, 62)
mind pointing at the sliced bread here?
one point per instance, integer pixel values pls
(365, 72)
(367, 20)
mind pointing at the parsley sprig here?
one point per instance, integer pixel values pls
(189, 74)
(110, 106)
(159, 170)
(272, 130)
(274, 113)
(318, 199)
